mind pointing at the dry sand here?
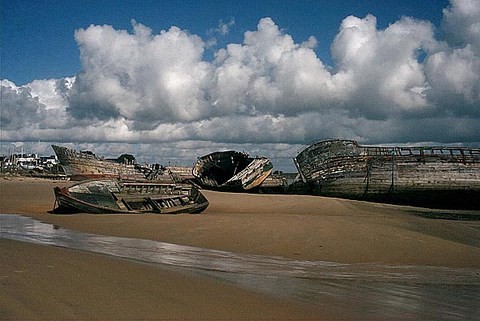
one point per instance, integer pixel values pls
(40, 282)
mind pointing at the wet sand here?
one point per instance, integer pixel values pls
(41, 282)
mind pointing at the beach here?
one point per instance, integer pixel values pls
(50, 283)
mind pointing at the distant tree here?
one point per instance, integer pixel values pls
(126, 159)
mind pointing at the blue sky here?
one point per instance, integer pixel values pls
(179, 79)
(38, 36)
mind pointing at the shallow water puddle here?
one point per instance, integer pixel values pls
(369, 291)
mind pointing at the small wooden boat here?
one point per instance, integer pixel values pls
(116, 196)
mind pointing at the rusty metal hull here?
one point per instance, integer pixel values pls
(443, 176)
(116, 196)
(231, 170)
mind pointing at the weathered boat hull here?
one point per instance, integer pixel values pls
(431, 176)
(114, 196)
(231, 171)
(85, 166)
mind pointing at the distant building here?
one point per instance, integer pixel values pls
(27, 162)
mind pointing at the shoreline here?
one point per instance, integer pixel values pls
(293, 226)
(51, 283)
(298, 227)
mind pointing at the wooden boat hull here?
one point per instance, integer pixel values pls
(114, 196)
(231, 171)
(87, 166)
(430, 176)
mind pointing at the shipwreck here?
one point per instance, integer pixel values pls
(116, 196)
(231, 171)
(445, 177)
(84, 165)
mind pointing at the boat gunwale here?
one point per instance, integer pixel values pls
(314, 144)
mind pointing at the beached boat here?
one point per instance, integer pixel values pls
(116, 196)
(86, 165)
(432, 176)
(231, 170)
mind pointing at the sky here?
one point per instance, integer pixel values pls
(170, 81)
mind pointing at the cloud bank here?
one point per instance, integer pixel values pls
(394, 85)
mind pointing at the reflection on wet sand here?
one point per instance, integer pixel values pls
(373, 291)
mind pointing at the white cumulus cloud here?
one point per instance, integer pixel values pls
(147, 79)
(392, 85)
